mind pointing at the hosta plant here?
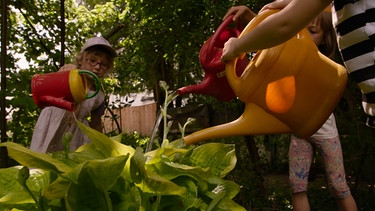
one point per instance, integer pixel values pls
(107, 175)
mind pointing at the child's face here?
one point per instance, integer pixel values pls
(316, 33)
(97, 63)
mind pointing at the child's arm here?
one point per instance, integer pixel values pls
(276, 28)
(68, 67)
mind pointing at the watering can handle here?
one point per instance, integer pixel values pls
(255, 21)
(209, 58)
(231, 65)
(251, 25)
(96, 81)
(220, 30)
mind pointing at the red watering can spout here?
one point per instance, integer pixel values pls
(211, 85)
(58, 102)
(215, 82)
(62, 89)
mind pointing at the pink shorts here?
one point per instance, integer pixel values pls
(300, 159)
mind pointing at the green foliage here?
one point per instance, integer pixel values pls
(108, 175)
(134, 139)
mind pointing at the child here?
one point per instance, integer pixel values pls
(326, 139)
(97, 56)
(355, 29)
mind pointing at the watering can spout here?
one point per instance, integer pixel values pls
(253, 121)
(211, 86)
(57, 102)
(193, 89)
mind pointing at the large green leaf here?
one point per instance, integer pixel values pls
(96, 177)
(17, 197)
(13, 194)
(171, 170)
(222, 194)
(86, 196)
(158, 185)
(219, 157)
(37, 180)
(226, 204)
(229, 188)
(130, 198)
(149, 182)
(192, 199)
(57, 189)
(33, 159)
(102, 144)
(105, 172)
(8, 180)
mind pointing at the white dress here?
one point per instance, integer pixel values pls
(53, 122)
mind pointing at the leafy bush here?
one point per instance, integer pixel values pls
(135, 139)
(108, 175)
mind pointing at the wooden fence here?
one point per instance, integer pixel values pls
(134, 118)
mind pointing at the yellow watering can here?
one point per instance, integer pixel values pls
(289, 88)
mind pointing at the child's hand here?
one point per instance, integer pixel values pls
(229, 50)
(68, 67)
(240, 12)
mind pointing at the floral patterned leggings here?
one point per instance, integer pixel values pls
(300, 159)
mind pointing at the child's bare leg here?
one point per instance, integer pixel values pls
(347, 204)
(300, 201)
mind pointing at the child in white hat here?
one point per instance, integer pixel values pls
(97, 56)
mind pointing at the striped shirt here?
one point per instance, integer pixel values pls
(354, 22)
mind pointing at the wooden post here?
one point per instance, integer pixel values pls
(4, 12)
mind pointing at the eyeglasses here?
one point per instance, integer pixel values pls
(93, 62)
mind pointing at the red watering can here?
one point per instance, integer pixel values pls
(215, 82)
(289, 88)
(62, 89)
